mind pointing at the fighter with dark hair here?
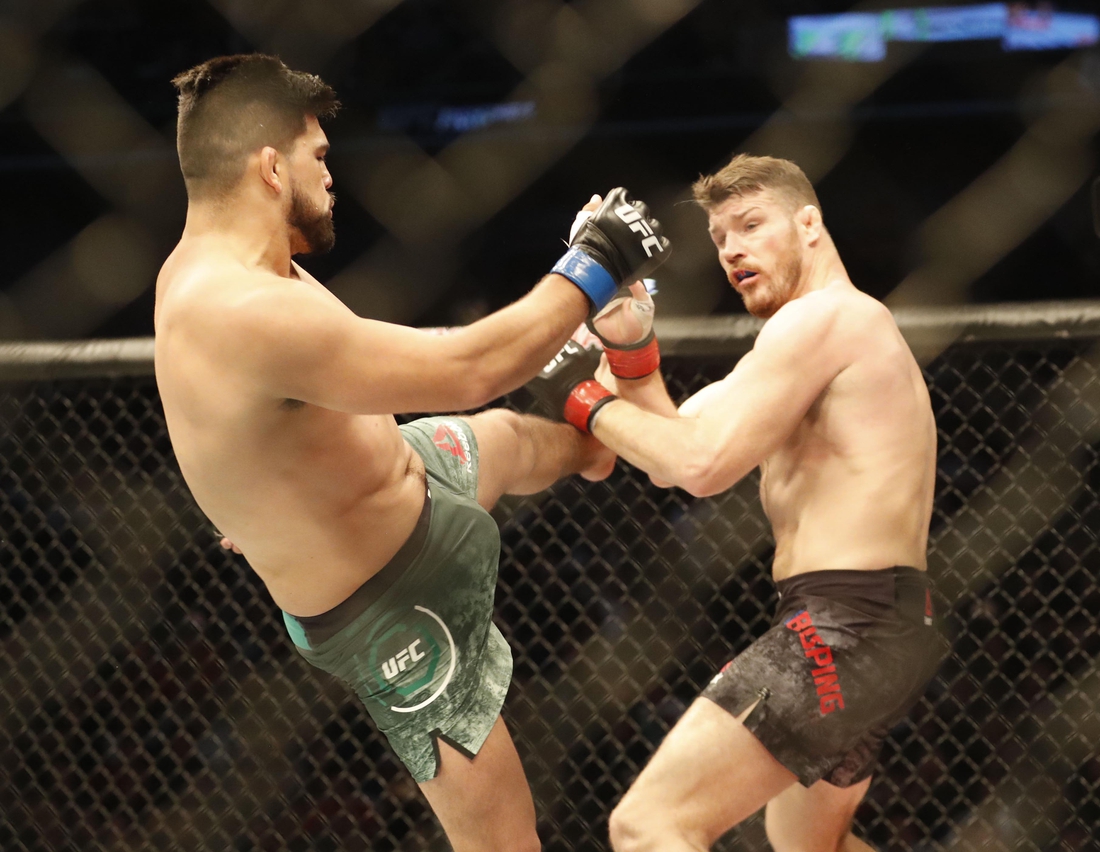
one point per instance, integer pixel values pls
(374, 539)
(833, 409)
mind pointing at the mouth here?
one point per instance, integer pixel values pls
(740, 276)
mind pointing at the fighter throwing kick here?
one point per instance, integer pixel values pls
(833, 409)
(373, 539)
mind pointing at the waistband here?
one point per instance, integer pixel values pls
(321, 628)
(880, 585)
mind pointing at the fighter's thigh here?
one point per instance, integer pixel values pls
(709, 774)
(484, 804)
(809, 819)
(501, 450)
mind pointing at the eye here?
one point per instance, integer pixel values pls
(751, 226)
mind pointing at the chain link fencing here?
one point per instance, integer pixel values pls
(152, 700)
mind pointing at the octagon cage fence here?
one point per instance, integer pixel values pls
(152, 700)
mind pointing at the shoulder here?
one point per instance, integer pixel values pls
(804, 322)
(827, 330)
(229, 306)
(832, 315)
(193, 281)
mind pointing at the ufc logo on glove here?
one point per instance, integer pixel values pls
(632, 217)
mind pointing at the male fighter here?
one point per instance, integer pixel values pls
(832, 407)
(373, 539)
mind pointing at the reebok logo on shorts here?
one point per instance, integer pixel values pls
(453, 441)
(718, 676)
(826, 680)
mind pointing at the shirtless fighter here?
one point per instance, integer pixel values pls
(832, 407)
(373, 539)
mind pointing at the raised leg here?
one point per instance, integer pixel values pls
(524, 454)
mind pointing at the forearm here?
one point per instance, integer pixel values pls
(648, 393)
(503, 350)
(681, 451)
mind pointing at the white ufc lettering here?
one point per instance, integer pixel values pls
(627, 213)
(570, 348)
(400, 661)
(632, 217)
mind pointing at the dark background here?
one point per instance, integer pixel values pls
(939, 120)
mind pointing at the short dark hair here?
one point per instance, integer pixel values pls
(230, 106)
(746, 174)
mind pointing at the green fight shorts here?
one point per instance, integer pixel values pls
(416, 642)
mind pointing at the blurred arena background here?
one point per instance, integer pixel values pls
(150, 698)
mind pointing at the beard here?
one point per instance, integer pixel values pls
(314, 225)
(769, 296)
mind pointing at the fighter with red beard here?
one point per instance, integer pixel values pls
(832, 407)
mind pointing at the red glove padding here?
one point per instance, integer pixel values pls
(625, 328)
(634, 361)
(565, 389)
(584, 401)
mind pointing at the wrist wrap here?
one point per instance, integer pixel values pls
(634, 362)
(596, 282)
(584, 401)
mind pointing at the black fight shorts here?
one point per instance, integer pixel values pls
(848, 654)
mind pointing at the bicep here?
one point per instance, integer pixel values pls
(757, 407)
(698, 403)
(765, 400)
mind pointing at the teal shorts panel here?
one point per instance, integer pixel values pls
(424, 656)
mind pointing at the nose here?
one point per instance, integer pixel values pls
(729, 252)
(328, 179)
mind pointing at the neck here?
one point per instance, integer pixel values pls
(256, 234)
(822, 268)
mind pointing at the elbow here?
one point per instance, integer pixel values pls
(469, 384)
(695, 478)
(701, 485)
(480, 385)
(705, 474)
(470, 392)
(702, 490)
(477, 378)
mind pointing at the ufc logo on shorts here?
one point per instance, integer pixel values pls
(639, 225)
(400, 661)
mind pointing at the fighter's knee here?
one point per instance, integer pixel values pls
(501, 418)
(635, 827)
(624, 831)
(507, 428)
(498, 837)
(808, 841)
(528, 842)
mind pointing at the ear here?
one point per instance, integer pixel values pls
(271, 168)
(809, 218)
